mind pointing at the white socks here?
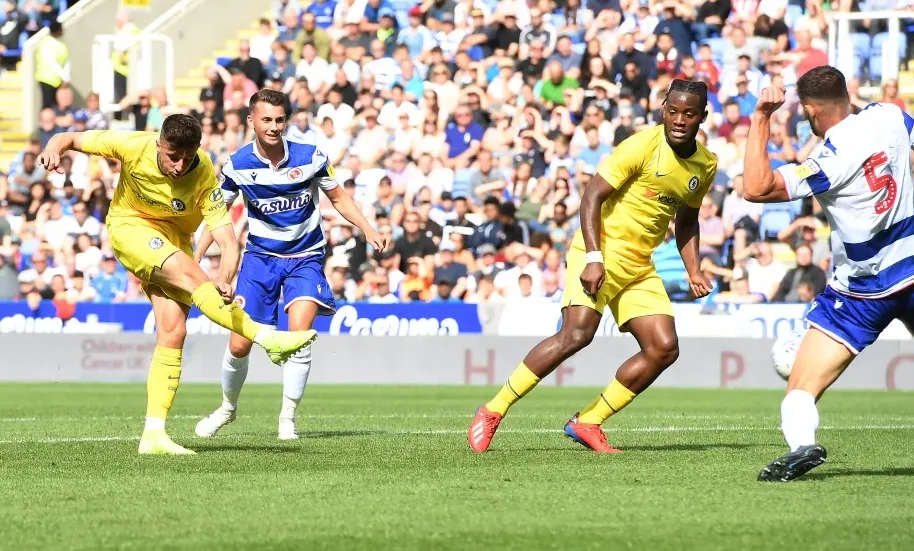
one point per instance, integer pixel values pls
(234, 372)
(799, 419)
(153, 423)
(294, 378)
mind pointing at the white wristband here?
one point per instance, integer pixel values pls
(594, 256)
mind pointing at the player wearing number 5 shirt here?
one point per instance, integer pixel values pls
(861, 177)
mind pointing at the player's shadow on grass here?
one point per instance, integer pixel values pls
(340, 433)
(688, 447)
(894, 471)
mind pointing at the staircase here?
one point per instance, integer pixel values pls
(187, 88)
(12, 138)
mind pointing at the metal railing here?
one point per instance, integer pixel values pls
(29, 88)
(841, 46)
(143, 60)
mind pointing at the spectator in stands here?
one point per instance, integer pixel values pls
(451, 271)
(94, 118)
(733, 117)
(314, 34)
(251, 67)
(805, 272)
(110, 284)
(14, 25)
(47, 127)
(668, 263)
(261, 46)
(713, 232)
(9, 278)
(765, 274)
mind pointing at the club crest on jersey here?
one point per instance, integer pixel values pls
(693, 183)
(240, 301)
(295, 174)
(807, 169)
(178, 205)
(216, 195)
(156, 243)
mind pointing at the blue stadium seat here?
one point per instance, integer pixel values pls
(793, 13)
(775, 217)
(223, 61)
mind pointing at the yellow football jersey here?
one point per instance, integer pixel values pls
(651, 184)
(144, 194)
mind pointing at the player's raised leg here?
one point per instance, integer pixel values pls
(579, 325)
(656, 335)
(164, 373)
(181, 272)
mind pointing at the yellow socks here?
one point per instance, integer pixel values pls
(162, 385)
(518, 385)
(610, 402)
(231, 316)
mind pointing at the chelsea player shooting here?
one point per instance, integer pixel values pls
(167, 187)
(279, 181)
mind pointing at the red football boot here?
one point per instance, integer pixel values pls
(590, 436)
(482, 429)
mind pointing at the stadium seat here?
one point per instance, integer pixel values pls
(793, 13)
(775, 217)
(223, 61)
(876, 50)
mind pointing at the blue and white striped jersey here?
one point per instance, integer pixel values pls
(862, 179)
(283, 202)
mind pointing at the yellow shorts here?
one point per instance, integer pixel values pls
(630, 291)
(144, 248)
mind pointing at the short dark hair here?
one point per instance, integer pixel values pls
(823, 84)
(271, 97)
(491, 200)
(695, 87)
(181, 131)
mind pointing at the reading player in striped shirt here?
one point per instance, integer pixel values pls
(280, 181)
(861, 176)
(651, 177)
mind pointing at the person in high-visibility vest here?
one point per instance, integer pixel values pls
(125, 39)
(52, 65)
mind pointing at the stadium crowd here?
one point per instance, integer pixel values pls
(466, 130)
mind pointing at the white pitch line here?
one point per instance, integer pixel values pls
(645, 417)
(449, 432)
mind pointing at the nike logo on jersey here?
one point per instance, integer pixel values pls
(838, 304)
(657, 174)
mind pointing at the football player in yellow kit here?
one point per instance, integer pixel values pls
(167, 187)
(651, 177)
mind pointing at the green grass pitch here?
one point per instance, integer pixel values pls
(389, 468)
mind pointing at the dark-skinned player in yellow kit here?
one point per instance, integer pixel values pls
(626, 208)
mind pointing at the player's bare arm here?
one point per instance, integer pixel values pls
(231, 256)
(353, 214)
(57, 146)
(206, 239)
(761, 184)
(688, 234)
(596, 193)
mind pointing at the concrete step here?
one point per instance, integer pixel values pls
(10, 125)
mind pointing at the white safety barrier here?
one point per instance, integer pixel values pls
(841, 46)
(142, 60)
(458, 360)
